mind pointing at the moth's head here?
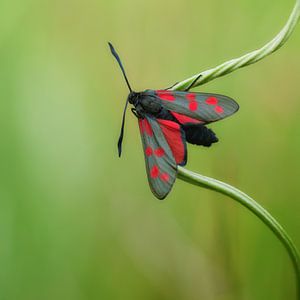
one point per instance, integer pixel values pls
(133, 97)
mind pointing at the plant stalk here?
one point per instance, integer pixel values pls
(253, 206)
(247, 59)
(221, 187)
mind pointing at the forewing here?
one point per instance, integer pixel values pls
(201, 107)
(161, 156)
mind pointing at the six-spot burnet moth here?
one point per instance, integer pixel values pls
(167, 121)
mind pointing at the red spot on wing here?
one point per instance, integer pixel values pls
(154, 171)
(211, 101)
(214, 101)
(191, 96)
(193, 105)
(172, 133)
(219, 109)
(182, 119)
(147, 127)
(164, 177)
(165, 95)
(149, 151)
(141, 126)
(159, 152)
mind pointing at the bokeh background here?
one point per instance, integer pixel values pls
(77, 222)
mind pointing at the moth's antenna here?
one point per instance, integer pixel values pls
(122, 130)
(115, 54)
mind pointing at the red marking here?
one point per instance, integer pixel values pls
(211, 101)
(193, 105)
(164, 177)
(154, 171)
(147, 127)
(219, 109)
(184, 119)
(190, 97)
(149, 151)
(172, 133)
(141, 126)
(159, 152)
(165, 95)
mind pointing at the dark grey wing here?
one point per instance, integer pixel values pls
(203, 107)
(161, 157)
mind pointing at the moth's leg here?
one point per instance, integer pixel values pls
(134, 112)
(171, 86)
(193, 82)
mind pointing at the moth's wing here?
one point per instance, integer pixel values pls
(164, 148)
(188, 107)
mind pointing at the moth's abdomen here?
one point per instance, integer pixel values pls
(199, 134)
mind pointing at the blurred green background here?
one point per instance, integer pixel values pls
(77, 222)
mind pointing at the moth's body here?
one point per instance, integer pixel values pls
(147, 103)
(167, 121)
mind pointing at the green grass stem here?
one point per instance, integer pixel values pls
(226, 189)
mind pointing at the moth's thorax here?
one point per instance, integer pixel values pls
(144, 103)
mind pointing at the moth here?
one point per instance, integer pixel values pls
(168, 120)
